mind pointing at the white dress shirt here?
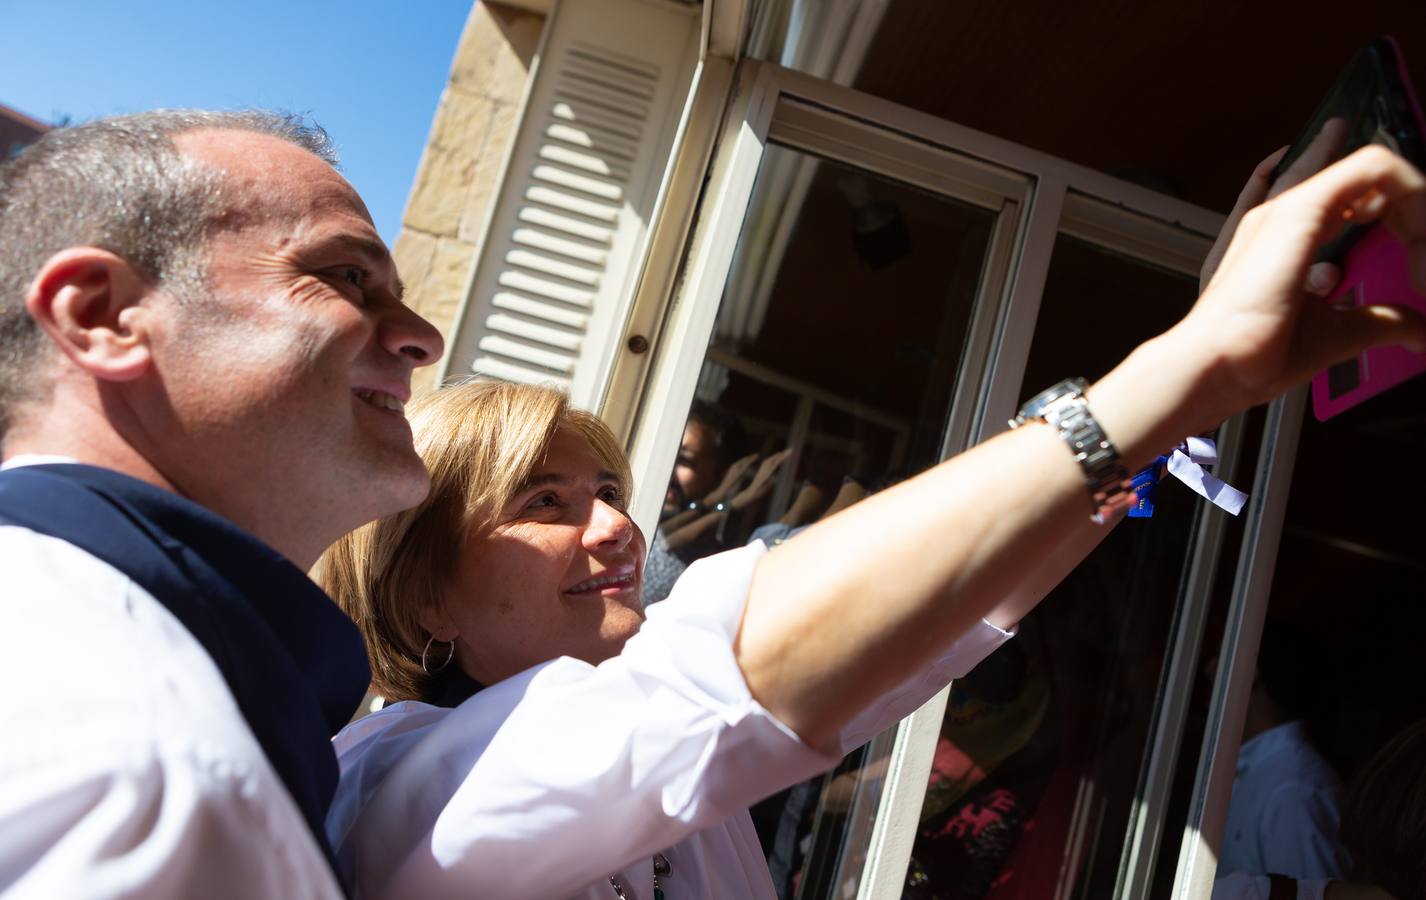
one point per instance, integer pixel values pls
(542, 786)
(126, 768)
(1284, 814)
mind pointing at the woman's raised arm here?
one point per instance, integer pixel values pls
(859, 602)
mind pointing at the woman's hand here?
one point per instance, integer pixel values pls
(1255, 333)
(758, 488)
(808, 498)
(731, 477)
(1322, 278)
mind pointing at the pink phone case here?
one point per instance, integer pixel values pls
(1375, 270)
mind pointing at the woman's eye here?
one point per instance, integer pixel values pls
(613, 496)
(544, 501)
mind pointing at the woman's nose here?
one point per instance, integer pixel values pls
(609, 527)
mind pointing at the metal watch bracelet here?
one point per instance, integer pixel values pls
(1064, 408)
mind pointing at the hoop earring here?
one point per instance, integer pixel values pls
(449, 656)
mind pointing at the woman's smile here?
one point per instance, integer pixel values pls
(611, 581)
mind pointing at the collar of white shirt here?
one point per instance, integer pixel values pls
(36, 459)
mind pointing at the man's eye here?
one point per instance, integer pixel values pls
(354, 275)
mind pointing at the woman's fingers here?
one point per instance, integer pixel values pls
(1323, 278)
(1259, 183)
(740, 465)
(1328, 334)
(1412, 235)
(1373, 183)
(1264, 332)
(772, 463)
(1417, 250)
(1325, 148)
(1276, 241)
(1253, 193)
(734, 473)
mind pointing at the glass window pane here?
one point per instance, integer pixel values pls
(1122, 90)
(1196, 711)
(1337, 671)
(836, 348)
(838, 338)
(1042, 746)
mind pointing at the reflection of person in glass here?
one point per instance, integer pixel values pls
(1023, 737)
(705, 490)
(1285, 807)
(1384, 816)
(608, 755)
(713, 439)
(989, 773)
(1383, 826)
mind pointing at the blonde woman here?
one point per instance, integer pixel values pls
(552, 743)
(554, 728)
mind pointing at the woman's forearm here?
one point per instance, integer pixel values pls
(692, 531)
(861, 601)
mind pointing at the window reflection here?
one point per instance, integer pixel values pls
(830, 375)
(1337, 682)
(1041, 748)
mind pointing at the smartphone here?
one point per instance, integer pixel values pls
(1375, 99)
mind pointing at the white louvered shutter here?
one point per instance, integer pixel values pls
(556, 270)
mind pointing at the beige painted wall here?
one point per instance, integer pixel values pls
(456, 180)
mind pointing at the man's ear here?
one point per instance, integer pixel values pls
(88, 301)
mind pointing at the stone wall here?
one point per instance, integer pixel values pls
(456, 180)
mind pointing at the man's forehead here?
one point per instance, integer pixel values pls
(267, 171)
(241, 150)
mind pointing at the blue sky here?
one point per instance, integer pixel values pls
(370, 71)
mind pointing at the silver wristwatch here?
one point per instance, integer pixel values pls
(1064, 408)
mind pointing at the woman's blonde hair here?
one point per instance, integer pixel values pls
(480, 441)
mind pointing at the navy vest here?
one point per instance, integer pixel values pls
(294, 662)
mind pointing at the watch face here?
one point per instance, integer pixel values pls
(1036, 406)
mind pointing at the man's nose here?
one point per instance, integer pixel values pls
(404, 333)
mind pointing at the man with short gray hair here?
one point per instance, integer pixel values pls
(203, 362)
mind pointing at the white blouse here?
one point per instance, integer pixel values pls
(545, 784)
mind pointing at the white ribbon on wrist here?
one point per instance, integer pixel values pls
(1186, 463)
